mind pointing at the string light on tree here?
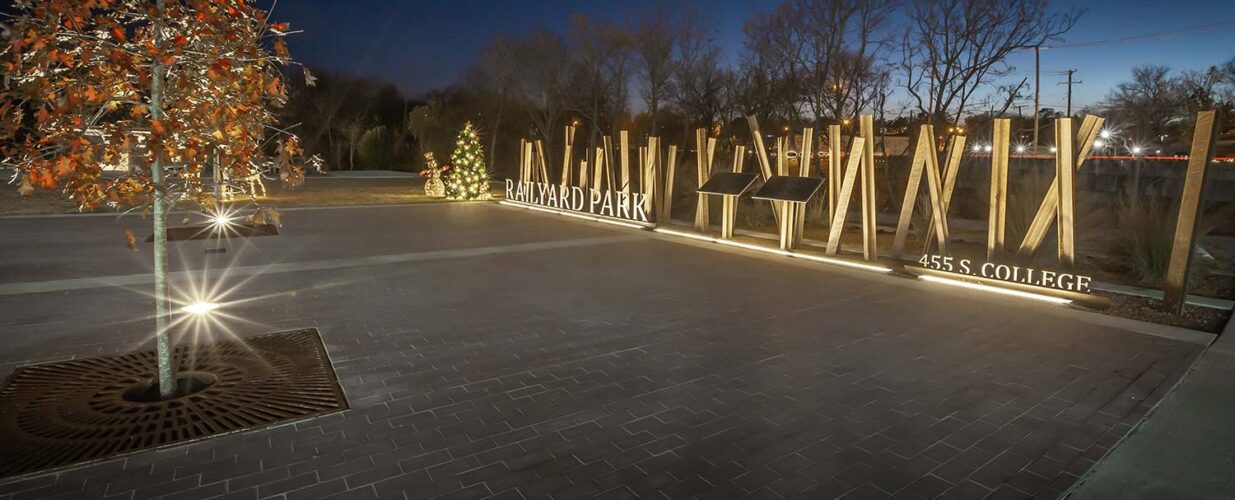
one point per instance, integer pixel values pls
(468, 179)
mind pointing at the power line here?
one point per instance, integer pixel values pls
(1147, 36)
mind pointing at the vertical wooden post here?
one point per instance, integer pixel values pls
(997, 218)
(729, 209)
(846, 192)
(1065, 173)
(761, 154)
(670, 178)
(598, 170)
(652, 187)
(624, 158)
(567, 160)
(583, 172)
(870, 244)
(1176, 283)
(834, 172)
(703, 167)
(523, 177)
(782, 164)
(739, 157)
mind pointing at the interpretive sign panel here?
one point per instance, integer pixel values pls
(608, 203)
(789, 188)
(728, 183)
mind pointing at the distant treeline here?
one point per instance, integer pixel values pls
(804, 63)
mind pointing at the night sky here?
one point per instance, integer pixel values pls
(423, 45)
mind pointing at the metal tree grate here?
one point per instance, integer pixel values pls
(69, 412)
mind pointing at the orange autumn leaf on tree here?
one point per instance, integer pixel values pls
(84, 73)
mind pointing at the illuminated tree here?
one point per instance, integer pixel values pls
(468, 179)
(174, 86)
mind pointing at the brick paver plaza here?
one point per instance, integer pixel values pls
(491, 351)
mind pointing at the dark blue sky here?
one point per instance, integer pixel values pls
(421, 45)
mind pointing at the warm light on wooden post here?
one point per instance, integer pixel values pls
(870, 214)
(925, 161)
(540, 158)
(1065, 174)
(998, 213)
(624, 158)
(1176, 282)
(956, 150)
(567, 160)
(834, 171)
(843, 197)
(702, 171)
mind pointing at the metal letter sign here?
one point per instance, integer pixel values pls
(608, 203)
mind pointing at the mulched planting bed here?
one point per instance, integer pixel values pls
(1146, 309)
(70, 412)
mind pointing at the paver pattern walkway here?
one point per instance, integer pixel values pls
(622, 365)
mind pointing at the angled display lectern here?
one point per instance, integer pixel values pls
(729, 186)
(791, 193)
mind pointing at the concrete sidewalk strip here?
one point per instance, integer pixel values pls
(1185, 446)
(238, 271)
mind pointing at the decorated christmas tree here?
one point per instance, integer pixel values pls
(468, 179)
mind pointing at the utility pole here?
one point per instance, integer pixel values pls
(1037, 81)
(1070, 83)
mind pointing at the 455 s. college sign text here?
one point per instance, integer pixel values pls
(616, 204)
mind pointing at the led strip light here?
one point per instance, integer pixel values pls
(995, 289)
(796, 255)
(575, 215)
(777, 251)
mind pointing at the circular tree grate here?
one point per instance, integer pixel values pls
(68, 412)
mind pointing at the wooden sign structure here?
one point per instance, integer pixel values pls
(1190, 203)
(792, 193)
(925, 161)
(1047, 211)
(730, 186)
(834, 169)
(998, 216)
(704, 148)
(844, 195)
(870, 246)
(956, 150)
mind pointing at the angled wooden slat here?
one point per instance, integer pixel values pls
(1190, 203)
(540, 158)
(1045, 216)
(808, 138)
(598, 170)
(609, 164)
(870, 214)
(624, 158)
(846, 192)
(670, 169)
(956, 150)
(925, 148)
(761, 154)
(998, 211)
